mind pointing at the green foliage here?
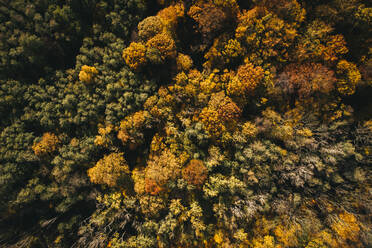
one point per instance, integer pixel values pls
(150, 27)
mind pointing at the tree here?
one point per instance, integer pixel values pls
(171, 15)
(266, 36)
(150, 27)
(317, 44)
(87, 74)
(109, 170)
(159, 171)
(247, 79)
(350, 77)
(306, 80)
(221, 114)
(164, 44)
(210, 18)
(207, 124)
(47, 145)
(195, 173)
(135, 55)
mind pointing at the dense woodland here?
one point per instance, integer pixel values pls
(208, 123)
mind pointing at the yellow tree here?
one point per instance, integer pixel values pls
(109, 169)
(221, 114)
(48, 144)
(164, 44)
(350, 76)
(247, 79)
(87, 73)
(135, 55)
(159, 170)
(317, 44)
(267, 37)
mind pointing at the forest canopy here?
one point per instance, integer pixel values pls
(186, 123)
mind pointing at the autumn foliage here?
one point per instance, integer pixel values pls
(135, 55)
(47, 145)
(87, 73)
(247, 79)
(305, 80)
(174, 123)
(160, 170)
(109, 169)
(195, 173)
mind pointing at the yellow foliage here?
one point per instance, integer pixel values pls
(138, 176)
(223, 51)
(220, 115)
(283, 132)
(212, 83)
(131, 124)
(335, 46)
(151, 205)
(87, 73)
(214, 55)
(318, 44)
(262, 227)
(58, 239)
(165, 44)
(103, 138)
(368, 124)
(187, 86)
(326, 238)
(277, 126)
(74, 142)
(248, 77)
(227, 109)
(48, 144)
(139, 118)
(350, 77)
(323, 239)
(159, 170)
(265, 242)
(184, 62)
(170, 15)
(135, 55)
(150, 27)
(266, 35)
(123, 135)
(113, 200)
(304, 132)
(328, 110)
(346, 228)
(183, 157)
(218, 237)
(294, 116)
(157, 144)
(233, 50)
(249, 129)
(109, 169)
(287, 235)
(212, 122)
(316, 243)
